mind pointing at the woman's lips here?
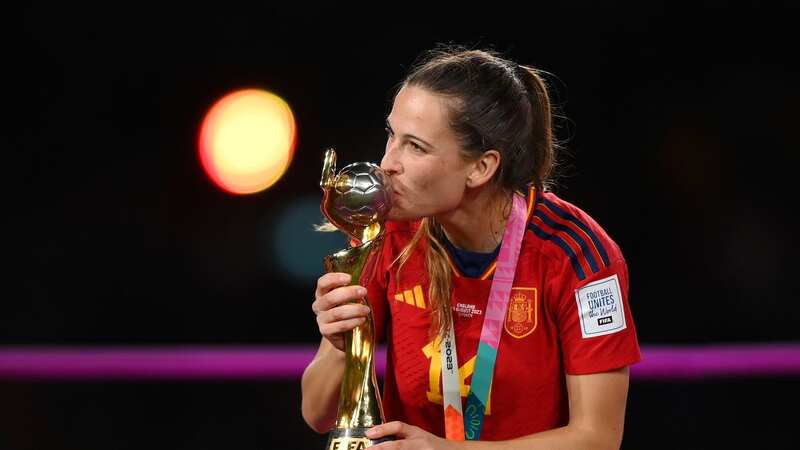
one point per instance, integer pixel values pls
(393, 185)
(393, 188)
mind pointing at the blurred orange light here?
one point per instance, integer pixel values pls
(247, 141)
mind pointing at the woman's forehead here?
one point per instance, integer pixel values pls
(420, 112)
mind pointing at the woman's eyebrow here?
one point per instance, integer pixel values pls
(406, 135)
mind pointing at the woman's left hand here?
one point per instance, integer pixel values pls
(408, 437)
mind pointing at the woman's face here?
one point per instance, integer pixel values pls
(423, 156)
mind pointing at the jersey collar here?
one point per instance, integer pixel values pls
(532, 200)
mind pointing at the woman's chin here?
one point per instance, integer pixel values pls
(400, 215)
(395, 215)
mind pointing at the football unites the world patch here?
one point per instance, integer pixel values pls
(600, 307)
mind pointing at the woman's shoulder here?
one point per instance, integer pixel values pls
(567, 211)
(400, 233)
(570, 233)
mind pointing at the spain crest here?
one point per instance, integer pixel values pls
(522, 314)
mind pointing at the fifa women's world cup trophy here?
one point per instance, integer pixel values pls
(356, 201)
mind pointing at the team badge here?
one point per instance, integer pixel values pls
(522, 314)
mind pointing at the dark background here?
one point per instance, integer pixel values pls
(681, 141)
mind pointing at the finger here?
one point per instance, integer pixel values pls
(343, 312)
(330, 281)
(338, 296)
(388, 445)
(330, 329)
(397, 429)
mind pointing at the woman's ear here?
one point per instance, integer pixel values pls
(484, 168)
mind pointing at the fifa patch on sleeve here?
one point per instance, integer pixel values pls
(600, 307)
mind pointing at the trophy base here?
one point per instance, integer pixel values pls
(352, 439)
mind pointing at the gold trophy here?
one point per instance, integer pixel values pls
(356, 201)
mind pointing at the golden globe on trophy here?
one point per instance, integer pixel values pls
(356, 201)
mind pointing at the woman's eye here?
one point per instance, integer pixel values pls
(388, 131)
(416, 147)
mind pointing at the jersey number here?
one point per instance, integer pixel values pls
(435, 374)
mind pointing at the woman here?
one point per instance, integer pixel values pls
(480, 258)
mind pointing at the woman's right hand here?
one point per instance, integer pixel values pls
(334, 307)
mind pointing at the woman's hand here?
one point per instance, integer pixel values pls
(408, 437)
(334, 308)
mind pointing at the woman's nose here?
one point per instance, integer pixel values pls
(390, 162)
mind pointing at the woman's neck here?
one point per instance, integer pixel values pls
(478, 224)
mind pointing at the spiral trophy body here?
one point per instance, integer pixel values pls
(356, 201)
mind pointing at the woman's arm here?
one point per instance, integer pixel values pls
(322, 379)
(321, 382)
(597, 416)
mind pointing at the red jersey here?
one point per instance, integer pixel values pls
(568, 314)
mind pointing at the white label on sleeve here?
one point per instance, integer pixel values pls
(600, 307)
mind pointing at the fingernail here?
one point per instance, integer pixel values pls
(371, 432)
(362, 291)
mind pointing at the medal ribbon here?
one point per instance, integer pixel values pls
(457, 425)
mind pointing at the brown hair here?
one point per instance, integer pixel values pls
(494, 103)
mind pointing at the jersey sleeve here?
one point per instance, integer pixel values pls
(594, 317)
